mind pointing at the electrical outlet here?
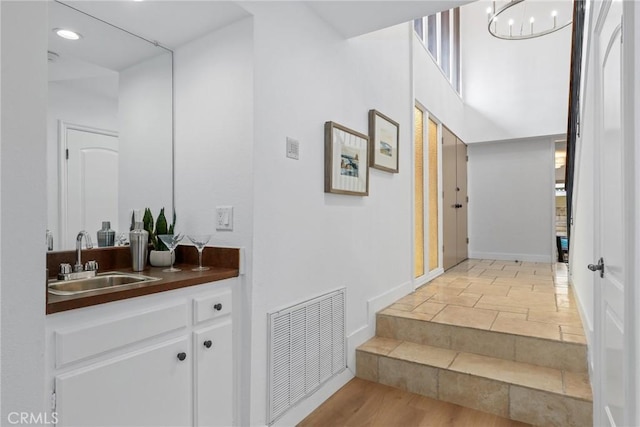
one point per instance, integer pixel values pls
(224, 218)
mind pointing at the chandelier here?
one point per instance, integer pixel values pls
(527, 19)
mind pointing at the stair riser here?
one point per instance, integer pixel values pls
(507, 400)
(553, 354)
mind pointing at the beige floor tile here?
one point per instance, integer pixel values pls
(533, 278)
(412, 299)
(487, 343)
(475, 280)
(415, 315)
(527, 328)
(543, 272)
(571, 330)
(488, 289)
(474, 392)
(577, 385)
(522, 310)
(546, 409)
(510, 372)
(367, 366)
(401, 307)
(466, 300)
(554, 354)
(521, 271)
(569, 318)
(380, 345)
(547, 289)
(428, 355)
(466, 316)
(579, 339)
(498, 273)
(408, 376)
(429, 308)
(517, 301)
(509, 315)
(407, 329)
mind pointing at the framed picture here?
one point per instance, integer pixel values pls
(346, 169)
(384, 134)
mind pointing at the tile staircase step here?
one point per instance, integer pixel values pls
(551, 353)
(512, 389)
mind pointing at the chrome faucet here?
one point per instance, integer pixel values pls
(78, 266)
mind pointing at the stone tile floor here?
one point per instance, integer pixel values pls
(521, 298)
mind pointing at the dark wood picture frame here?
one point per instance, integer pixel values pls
(384, 136)
(346, 165)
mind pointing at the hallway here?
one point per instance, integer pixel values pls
(501, 337)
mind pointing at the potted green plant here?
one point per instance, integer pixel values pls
(159, 255)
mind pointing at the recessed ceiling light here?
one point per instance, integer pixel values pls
(67, 34)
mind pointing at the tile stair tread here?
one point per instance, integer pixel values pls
(419, 317)
(517, 373)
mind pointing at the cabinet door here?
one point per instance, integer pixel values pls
(150, 387)
(214, 375)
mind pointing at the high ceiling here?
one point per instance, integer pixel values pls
(173, 23)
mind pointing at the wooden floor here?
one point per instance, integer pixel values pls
(364, 403)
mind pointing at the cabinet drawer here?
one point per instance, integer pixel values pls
(211, 306)
(74, 344)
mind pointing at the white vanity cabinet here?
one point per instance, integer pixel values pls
(160, 360)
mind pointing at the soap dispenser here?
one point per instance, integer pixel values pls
(106, 236)
(139, 243)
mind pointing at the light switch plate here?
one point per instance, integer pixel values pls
(224, 218)
(293, 148)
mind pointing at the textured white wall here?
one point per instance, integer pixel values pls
(513, 89)
(214, 156)
(145, 132)
(307, 242)
(24, 205)
(511, 193)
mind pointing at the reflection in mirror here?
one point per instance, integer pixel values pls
(110, 126)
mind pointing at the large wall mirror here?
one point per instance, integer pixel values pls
(110, 126)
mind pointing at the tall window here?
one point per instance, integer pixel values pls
(440, 33)
(433, 196)
(418, 239)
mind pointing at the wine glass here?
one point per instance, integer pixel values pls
(171, 240)
(200, 240)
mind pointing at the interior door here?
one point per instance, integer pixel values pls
(91, 182)
(449, 210)
(610, 224)
(461, 199)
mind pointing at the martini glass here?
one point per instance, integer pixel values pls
(200, 240)
(171, 240)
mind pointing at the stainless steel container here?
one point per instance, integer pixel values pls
(139, 244)
(106, 236)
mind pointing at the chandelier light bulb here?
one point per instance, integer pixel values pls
(542, 29)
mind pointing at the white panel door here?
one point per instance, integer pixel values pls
(214, 375)
(92, 182)
(150, 387)
(611, 342)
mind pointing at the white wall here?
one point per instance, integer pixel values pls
(513, 89)
(434, 91)
(23, 200)
(145, 136)
(511, 193)
(78, 107)
(307, 242)
(214, 155)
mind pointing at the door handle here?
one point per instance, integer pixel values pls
(598, 267)
(457, 206)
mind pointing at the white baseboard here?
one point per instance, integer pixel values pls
(368, 331)
(511, 257)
